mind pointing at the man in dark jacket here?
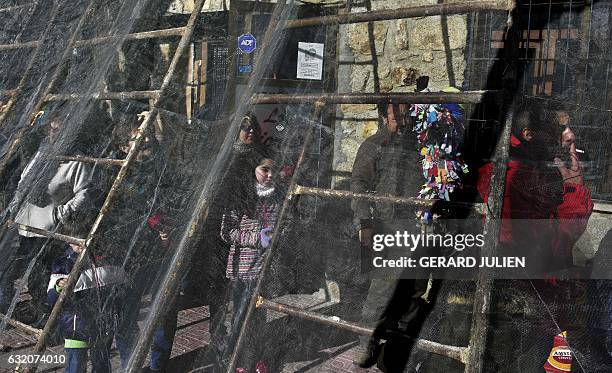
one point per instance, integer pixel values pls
(387, 163)
(141, 234)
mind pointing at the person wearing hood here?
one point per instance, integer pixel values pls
(249, 137)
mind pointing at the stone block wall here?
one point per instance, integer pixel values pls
(186, 6)
(388, 56)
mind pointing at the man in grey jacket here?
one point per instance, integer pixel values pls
(388, 163)
(50, 193)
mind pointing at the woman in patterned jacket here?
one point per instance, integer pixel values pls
(248, 225)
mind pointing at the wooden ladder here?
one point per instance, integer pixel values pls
(157, 96)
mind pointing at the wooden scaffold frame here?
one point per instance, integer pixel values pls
(471, 355)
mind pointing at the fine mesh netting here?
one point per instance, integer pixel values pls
(254, 202)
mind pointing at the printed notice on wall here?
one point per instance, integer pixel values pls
(310, 61)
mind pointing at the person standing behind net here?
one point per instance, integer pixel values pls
(211, 259)
(50, 193)
(94, 314)
(212, 256)
(247, 225)
(387, 163)
(546, 209)
(546, 204)
(139, 231)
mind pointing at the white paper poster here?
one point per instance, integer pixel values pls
(310, 61)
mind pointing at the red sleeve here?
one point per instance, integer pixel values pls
(155, 222)
(575, 211)
(484, 174)
(483, 185)
(484, 181)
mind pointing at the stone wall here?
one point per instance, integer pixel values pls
(186, 6)
(599, 224)
(388, 56)
(403, 50)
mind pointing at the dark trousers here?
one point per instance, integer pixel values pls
(223, 340)
(115, 322)
(163, 338)
(147, 279)
(76, 360)
(106, 327)
(394, 305)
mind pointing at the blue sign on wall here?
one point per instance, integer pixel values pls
(247, 43)
(245, 68)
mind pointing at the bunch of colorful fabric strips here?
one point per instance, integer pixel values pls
(440, 130)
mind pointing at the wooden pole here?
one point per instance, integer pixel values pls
(468, 97)
(100, 161)
(21, 326)
(481, 208)
(453, 352)
(407, 12)
(153, 34)
(484, 285)
(56, 236)
(133, 95)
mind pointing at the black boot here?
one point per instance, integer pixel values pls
(366, 357)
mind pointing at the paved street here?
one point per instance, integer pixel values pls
(191, 339)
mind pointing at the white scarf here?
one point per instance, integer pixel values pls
(264, 191)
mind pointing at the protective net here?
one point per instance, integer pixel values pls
(305, 186)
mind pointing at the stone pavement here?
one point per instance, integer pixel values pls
(191, 339)
(336, 359)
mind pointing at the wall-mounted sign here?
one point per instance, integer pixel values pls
(245, 68)
(247, 43)
(310, 61)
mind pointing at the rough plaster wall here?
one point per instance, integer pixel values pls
(186, 6)
(403, 50)
(587, 245)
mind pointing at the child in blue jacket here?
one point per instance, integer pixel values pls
(92, 315)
